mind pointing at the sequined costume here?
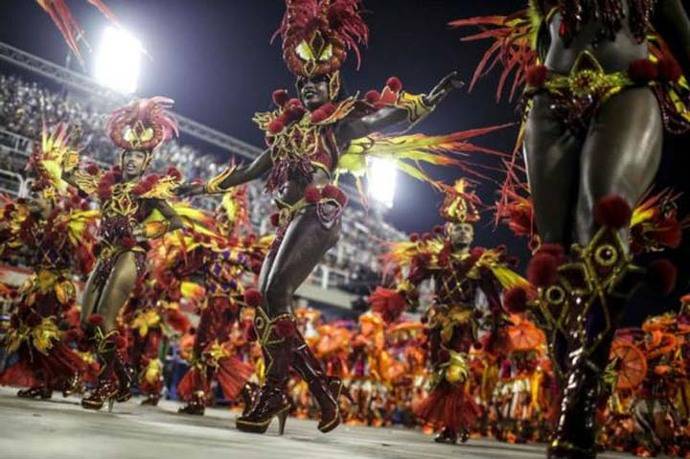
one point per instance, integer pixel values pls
(454, 319)
(56, 235)
(218, 265)
(133, 210)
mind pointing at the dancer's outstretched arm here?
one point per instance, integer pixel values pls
(169, 213)
(406, 114)
(230, 177)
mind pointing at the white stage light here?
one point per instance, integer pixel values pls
(118, 60)
(381, 180)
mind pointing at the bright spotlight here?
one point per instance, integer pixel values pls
(381, 182)
(118, 60)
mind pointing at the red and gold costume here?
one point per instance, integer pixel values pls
(217, 265)
(131, 213)
(453, 320)
(58, 241)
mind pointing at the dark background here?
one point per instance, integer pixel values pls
(214, 58)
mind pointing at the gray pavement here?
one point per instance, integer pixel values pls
(60, 428)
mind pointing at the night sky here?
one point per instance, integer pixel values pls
(214, 58)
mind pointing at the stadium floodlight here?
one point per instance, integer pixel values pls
(381, 181)
(118, 60)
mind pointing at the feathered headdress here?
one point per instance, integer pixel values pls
(317, 34)
(461, 203)
(143, 124)
(50, 158)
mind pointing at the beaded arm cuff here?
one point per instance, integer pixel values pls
(415, 106)
(213, 186)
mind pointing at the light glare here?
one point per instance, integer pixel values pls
(118, 60)
(382, 178)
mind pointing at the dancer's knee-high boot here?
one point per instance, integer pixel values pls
(276, 337)
(607, 280)
(114, 380)
(325, 390)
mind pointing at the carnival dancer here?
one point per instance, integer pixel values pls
(309, 139)
(599, 95)
(56, 234)
(219, 264)
(133, 209)
(460, 273)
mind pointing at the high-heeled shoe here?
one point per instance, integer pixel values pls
(448, 436)
(325, 390)
(272, 403)
(105, 391)
(41, 392)
(196, 406)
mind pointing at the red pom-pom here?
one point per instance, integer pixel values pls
(92, 169)
(426, 237)
(478, 345)
(253, 298)
(328, 108)
(280, 97)
(476, 252)
(294, 114)
(108, 179)
(669, 70)
(542, 270)
(275, 219)
(318, 115)
(285, 328)
(294, 103)
(438, 229)
(555, 250)
(394, 84)
(275, 126)
(96, 320)
(515, 300)
(333, 192)
(372, 96)
(662, 275)
(536, 76)
(174, 173)
(643, 70)
(612, 211)
(414, 237)
(140, 188)
(312, 194)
